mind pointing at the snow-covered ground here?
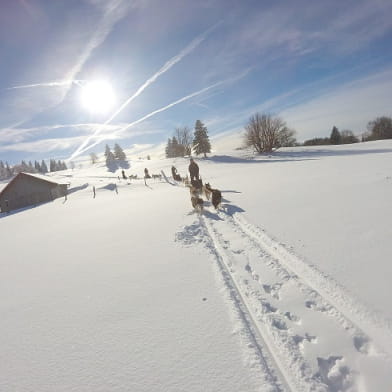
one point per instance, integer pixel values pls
(286, 288)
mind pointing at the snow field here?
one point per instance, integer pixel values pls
(285, 289)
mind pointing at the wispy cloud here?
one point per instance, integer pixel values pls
(32, 101)
(280, 36)
(169, 64)
(112, 12)
(47, 84)
(315, 108)
(66, 143)
(153, 113)
(18, 135)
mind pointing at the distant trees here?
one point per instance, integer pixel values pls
(5, 170)
(317, 141)
(265, 133)
(173, 148)
(119, 154)
(57, 166)
(115, 159)
(44, 168)
(380, 128)
(109, 156)
(335, 136)
(184, 139)
(348, 137)
(93, 158)
(180, 144)
(201, 142)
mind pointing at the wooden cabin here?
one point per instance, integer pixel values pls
(27, 189)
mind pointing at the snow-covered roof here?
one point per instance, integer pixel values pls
(37, 176)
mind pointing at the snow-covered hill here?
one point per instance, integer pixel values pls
(286, 288)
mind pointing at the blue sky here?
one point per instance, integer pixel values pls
(314, 63)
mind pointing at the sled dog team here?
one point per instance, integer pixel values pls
(197, 188)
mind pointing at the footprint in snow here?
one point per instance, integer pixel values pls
(292, 317)
(315, 306)
(299, 339)
(278, 323)
(334, 373)
(267, 307)
(273, 290)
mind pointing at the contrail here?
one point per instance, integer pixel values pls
(47, 84)
(197, 41)
(150, 115)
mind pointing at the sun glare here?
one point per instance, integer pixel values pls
(97, 97)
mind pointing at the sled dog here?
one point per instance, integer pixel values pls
(216, 196)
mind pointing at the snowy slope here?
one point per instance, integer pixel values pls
(285, 288)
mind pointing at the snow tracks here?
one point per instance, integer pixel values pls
(304, 332)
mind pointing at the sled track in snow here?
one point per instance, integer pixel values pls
(263, 277)
(268, 363)
(369, 322)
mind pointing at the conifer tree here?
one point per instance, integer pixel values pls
(37, 167)
(8, 170)
(169, 149)
(335, 136)
(119, 153)
(44, 168)
(201, 142)
(2, 170)
(109, 156)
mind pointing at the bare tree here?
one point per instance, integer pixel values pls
(184, 138)
(93, 157)
(380, 128)
(265, 133)
(286, 138)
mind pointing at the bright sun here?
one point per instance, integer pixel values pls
(97, 97)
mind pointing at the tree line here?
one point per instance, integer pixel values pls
(183, 143)
(7, 171)
(378, 129)
(265, 133)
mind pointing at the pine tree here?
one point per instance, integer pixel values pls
(37, 167)
(24, 166)
(201, 142)
(2, 170)
(8, 170)
(109, 156)
(169, 149)
(335, 136)
(52, 165)
(44, 168)
(175, 148)
(119, 153)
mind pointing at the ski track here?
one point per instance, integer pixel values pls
(263, 279)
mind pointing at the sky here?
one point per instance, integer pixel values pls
(167, 64)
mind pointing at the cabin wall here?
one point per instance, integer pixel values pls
(26, 191)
